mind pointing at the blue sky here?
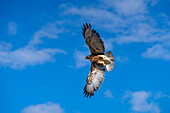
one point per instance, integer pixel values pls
(42, 51)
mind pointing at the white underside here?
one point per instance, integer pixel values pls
(96, 81)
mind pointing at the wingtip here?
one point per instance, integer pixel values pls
(87, 25)
(84, 26)
(86, 94)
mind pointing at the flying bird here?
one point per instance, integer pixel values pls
(99, 60)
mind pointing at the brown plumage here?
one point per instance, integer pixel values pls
(98, 59)
(93, 40)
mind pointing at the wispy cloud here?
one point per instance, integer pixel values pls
(50, 30)
(80, 60)
(5, 46)
(12, 28)
(108, 44)
(30, 55)
(141, 32)
(27, 56)
(108, 94)
(111, 20)
(122, 59)
(140, 102)
(160, 95)
(44, 108)
(154, 2)
(101, 17)
(129, 21)
(127, 7)
(157, 52)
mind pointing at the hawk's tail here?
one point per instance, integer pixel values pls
(110, 55)
(109, 66)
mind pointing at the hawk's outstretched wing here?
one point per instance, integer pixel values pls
(94, 79)
(93, 40)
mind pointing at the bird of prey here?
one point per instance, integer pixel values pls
(99, 60)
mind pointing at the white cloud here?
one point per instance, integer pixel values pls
(122, 59)
(108, 44)
(141, 32)
(127, 7)
(108, 94)
(131, 20)
(160, 95)
(140, 102)
(50, 30)
(30, 55)
(100, 17)
(111, 20)
(5, 46)
(157, 52)
(12, 28)
(44, 108)
(80, 60)
(27, 56)
(127, 21)
(154, 2)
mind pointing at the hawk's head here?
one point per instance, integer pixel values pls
(88, 57)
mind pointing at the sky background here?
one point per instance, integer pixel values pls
(42, 51)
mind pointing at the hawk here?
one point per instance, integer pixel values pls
(99, 60)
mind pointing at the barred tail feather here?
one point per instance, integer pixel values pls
(110, 55)
(109, 67)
